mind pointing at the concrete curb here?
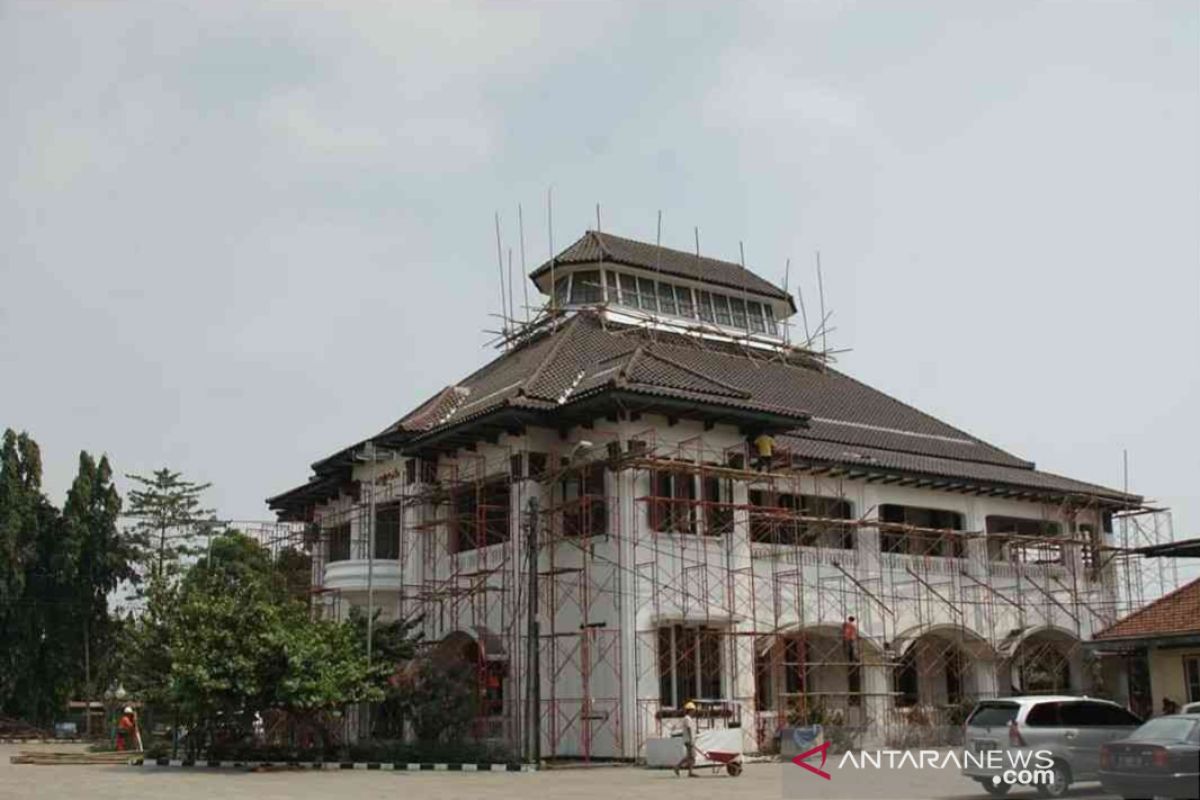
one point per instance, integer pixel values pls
(382, 766)
(42, 740)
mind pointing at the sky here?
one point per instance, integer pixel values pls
(235, 237)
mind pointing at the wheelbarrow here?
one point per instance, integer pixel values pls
(720, 747)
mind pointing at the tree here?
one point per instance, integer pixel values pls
(320, 668)
(169, 518)
(100, 558)
(229, 639)
(35, 575)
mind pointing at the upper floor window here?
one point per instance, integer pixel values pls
(339, 542)
(1022, 540)
(670, 299)
(586, 288)
(666, 299)
(800, 519)
(387, 530)
(673, 502)
(479, 515)
(583, 509)
(924, 531)
(647, 300)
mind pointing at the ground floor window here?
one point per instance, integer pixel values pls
(1191, 674)
(689, 664)
(492, 691)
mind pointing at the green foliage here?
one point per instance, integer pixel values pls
(440, 699)
(230, 639)
(56, 572)
(170, 520)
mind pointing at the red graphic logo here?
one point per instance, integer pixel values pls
(802, 760)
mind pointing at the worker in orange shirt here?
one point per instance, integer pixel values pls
(850, 640)
(127, 732)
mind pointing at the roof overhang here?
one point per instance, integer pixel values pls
(1126, 644)
(873, 473)
(1187, 548)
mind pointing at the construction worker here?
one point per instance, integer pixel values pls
(850, 640)
(127, 730)
(688, 726)
(764, 448)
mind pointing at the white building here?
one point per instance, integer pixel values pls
(675, 563)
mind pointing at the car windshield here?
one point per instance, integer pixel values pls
(1165, 729)
(992, 715)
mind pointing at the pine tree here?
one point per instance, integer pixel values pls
(170, 520)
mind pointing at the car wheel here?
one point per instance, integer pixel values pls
(1060, 780)
(995, 789)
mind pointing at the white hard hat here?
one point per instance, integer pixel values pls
(128, 709)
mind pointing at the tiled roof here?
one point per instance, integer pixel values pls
(837, 419)
(1174, 614)
(595, 246)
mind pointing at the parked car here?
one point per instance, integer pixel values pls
(1191, 708)
(1067, 730)
(1159, 759)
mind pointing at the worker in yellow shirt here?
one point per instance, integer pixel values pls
(764, 449)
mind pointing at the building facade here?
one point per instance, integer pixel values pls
(697, 502)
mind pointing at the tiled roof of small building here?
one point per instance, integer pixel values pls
(595, 246)
(1173, 614)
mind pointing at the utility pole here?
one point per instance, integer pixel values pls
(369, 451)
(533, 669)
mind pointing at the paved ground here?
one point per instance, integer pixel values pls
(610, 783)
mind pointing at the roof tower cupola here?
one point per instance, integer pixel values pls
(644, 283)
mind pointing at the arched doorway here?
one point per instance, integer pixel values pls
(941, 667)
(804, 677)
(481, 661)
(1042, 660)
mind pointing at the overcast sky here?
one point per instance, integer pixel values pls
(234, 239)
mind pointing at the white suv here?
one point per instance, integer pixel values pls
(1067, 730)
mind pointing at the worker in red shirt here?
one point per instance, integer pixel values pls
(850, 640)
(127, 730)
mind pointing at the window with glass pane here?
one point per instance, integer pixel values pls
(706, 306)
(339, 542)
(387, 530)
(560, 290)
(586, 288)
(666, 299)
(721, 304)
(738, 309)
(683, 299)
(689, 664)
(772, 328)
(648, 302)
(629, 291)
(610, 279)
(756, 318)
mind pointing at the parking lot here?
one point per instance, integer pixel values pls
(626, 783)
